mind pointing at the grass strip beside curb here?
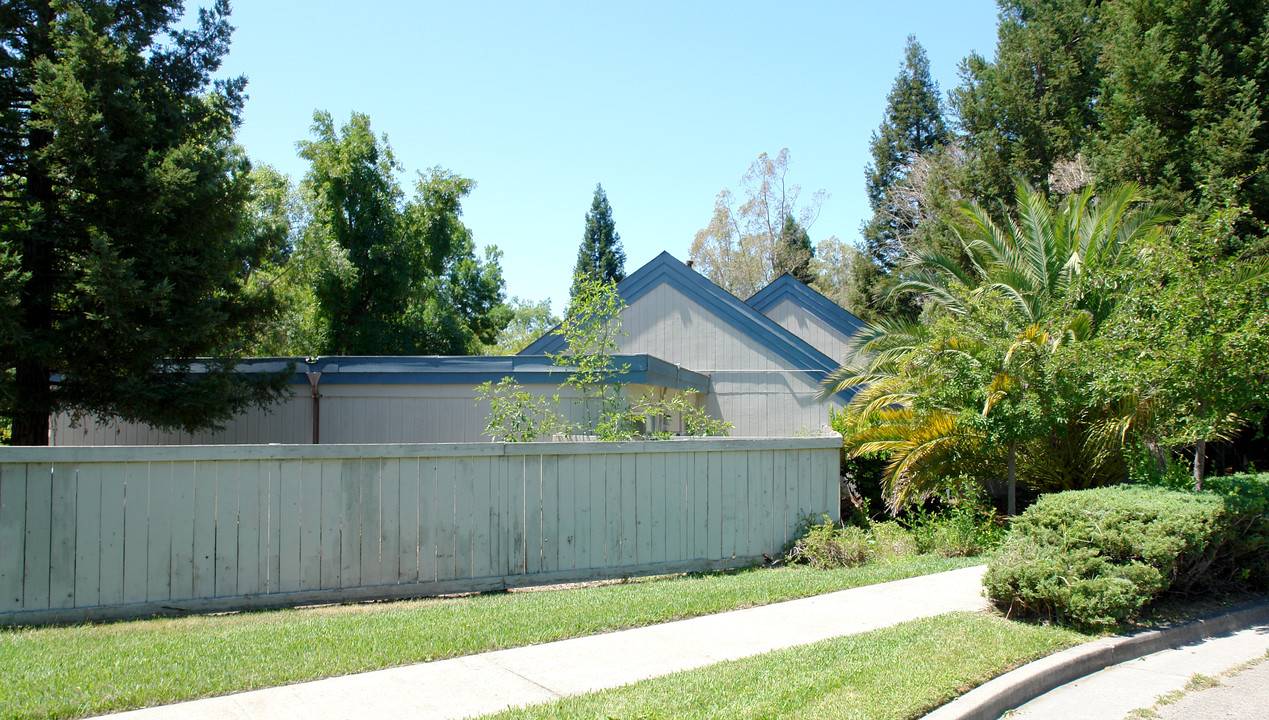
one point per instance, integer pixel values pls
(889, 674)
(65, 672)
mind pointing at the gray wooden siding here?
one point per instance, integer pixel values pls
(750, 386)
(107, 532)
(817, 333)
(289, 422)
(350, 413)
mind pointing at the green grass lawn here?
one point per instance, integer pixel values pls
(62, 672)
(891, 674)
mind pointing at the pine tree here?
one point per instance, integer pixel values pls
(123, 250)
(1034, 104)
(1184, 107)
(600, 256)
(795, 252)
(913, 125)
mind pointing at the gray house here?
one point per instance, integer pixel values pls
(755, 364)
(764, 358)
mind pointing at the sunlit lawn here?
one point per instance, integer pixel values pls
(894, 673)
(64, 672)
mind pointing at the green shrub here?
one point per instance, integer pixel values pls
(828, 545)
(1246, 561)
(967, 525)
(1094, 558)
(890, 540)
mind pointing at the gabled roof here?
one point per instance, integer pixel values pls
(764, 332)
(787, 287)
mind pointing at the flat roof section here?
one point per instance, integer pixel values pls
(642, 369)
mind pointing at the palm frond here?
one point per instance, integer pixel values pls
(1001, 386)
(1251, 271)
(939, 263)
(1037, 241)
(921, 460)
(1028, 304)
(932, 290)
(1078, 329)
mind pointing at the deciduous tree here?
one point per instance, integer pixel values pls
(391, 277)
(742, 249)
(529, 321)
(1184, 353)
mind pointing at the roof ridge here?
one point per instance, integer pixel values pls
(787, 287)
(704, 292)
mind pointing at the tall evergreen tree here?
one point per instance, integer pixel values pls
(1034, 104)
(1169, 95)
(600, 257)
(122, 250)
(913, 125)
(795, 251)
(1184, 103)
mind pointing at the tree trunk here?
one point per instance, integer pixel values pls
(33, 396)
(1013, 478)
(30, 429)
(1200, 463)
(1160, 457)
(33, 402)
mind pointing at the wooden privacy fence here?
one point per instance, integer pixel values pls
(111, 532)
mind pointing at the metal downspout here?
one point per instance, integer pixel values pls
(313, 379)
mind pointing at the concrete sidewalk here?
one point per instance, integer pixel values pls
(480, 684)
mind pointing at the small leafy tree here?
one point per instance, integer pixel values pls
(697, 422)
(591, 328)
(1183, 356)
(517, 415)
(530, 320)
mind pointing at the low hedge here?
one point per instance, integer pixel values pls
(1094, 558)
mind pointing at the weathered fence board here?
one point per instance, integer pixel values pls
(98, 533)
(12, 534)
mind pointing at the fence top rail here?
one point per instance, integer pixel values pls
(193, 453)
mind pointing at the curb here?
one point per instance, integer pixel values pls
(1014, 688)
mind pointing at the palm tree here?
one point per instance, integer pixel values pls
(1041, 259)
(1034, 284)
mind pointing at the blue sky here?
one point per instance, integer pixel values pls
(665, 103)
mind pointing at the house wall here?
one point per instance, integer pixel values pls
(750, 386)
(350, 413)
(817, 333)
(100, 533)
(289, 421)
